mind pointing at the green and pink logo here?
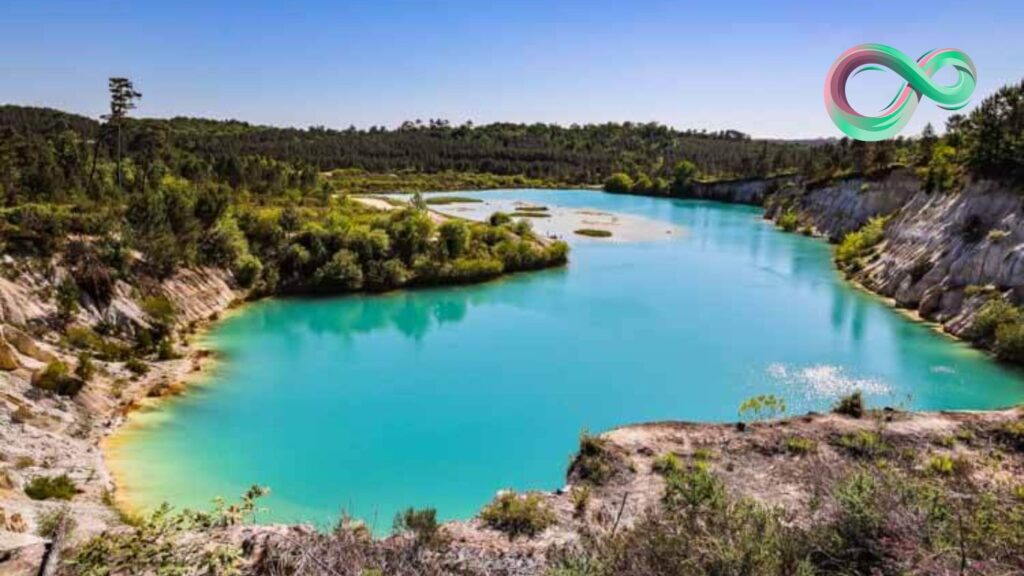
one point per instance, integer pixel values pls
(918, 77)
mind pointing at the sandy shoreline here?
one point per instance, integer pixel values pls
(198, 367)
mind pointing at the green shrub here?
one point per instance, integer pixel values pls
(247, 270)
(1012, 433)
(341, 273)
(161, 313)
(762, 407)
(944, 465)
(580, 497)
(82, 337)
(878, 519)
(55, 378)
(798, 445)
(619, 182)
(594, 463)
(850, 405)
(49, 524)
(518, 515)
(703, 454)
(85, 369)
(993, 314)
(864, 444)
(422, 523)
(789, 220)
(136, 366)
(166, 543)
(854, 538)
(857, 245)
(499, 218)
(454, 236)
(67, 300)
(47, 488)
(1009, 343)
(165, 350)
(667, 463)
(85, 338)
(695, 487)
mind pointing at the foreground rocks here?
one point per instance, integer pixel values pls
(791, 465)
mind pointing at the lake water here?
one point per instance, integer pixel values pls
(441, 397)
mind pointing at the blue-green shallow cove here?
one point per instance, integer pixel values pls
(441, 397)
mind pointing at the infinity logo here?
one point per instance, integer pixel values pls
(918, 76)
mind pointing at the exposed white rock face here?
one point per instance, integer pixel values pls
(199, 293)
(939, 244)
(21, 302)
(936, 244)
(844, 206)
(752, 191)
(55, 435)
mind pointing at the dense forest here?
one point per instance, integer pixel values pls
(987, 143)
(189, 191)
(266, 159)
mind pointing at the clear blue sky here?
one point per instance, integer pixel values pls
(753, 66)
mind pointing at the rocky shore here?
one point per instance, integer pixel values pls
(942, 252)
(926, 263)
(50, 435)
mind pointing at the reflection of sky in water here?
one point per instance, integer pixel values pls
(440, 397)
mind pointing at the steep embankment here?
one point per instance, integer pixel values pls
(48, 435)
(942, 253)
(752, 191)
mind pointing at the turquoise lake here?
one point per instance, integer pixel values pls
(441, 397)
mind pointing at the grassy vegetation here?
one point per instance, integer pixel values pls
(878, 519)
(999, 325)
(51, 488)
(1013, 434)
(789, 220)
(518, 514)
(851, 405)
(56, 378)
(422, 524)
(797, 445)
(580, 497)
(667, 464)
(526, 214)
(762, 407)
(864, 444)
(167, 542)
(593, 232)
(856, 246)
(594, 464)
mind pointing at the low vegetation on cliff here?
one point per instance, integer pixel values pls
(934, 494)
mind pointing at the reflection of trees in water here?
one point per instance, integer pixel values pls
(849, 306)
(413, 313)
